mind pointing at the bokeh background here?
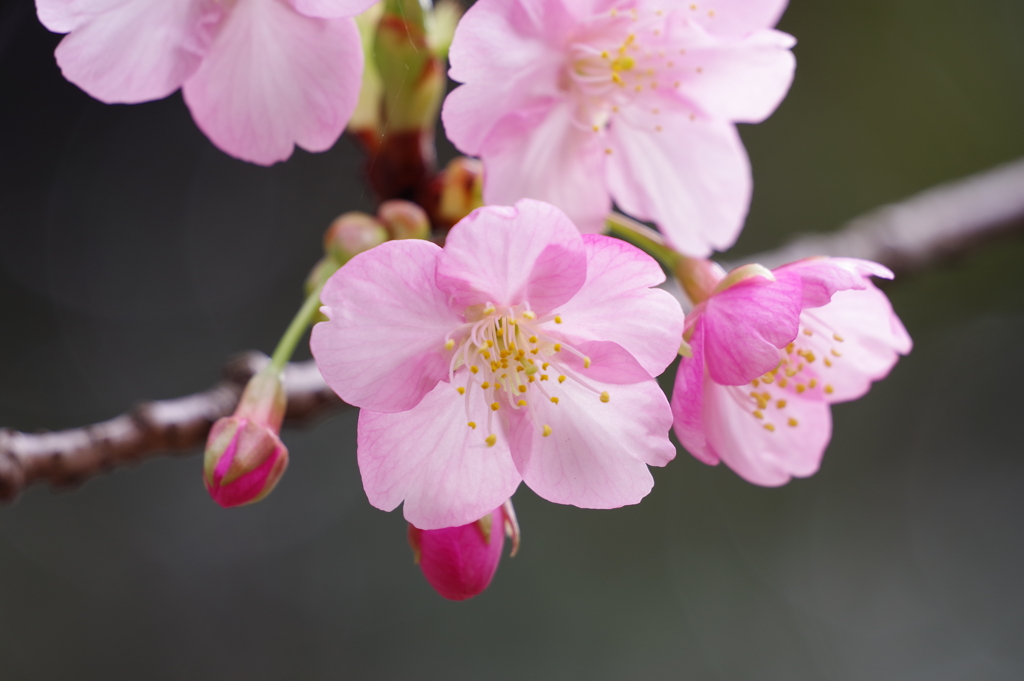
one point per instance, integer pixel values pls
(135, 258)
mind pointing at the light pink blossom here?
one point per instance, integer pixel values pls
(581, 102)
(520, 351)
(259, 76)
(769, 354)
(459, 562)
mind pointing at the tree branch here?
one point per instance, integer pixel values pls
(909, 236)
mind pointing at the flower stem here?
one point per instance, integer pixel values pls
(301, 322)
(643, 237)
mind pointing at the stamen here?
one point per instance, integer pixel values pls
(605, 396)
(491, 439)
(547, 430)
(449, 344)
(462, 391)
(472, 425)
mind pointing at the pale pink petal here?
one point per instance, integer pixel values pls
(785, 442)
(131, 51)
(736, 17)
(331, 9)
(597, 453)
(383, 348)
(691, 177)
(608, 363)
(872, 338)
(740, 80)
(527, 253)
(541, 154)
(274, 79)
(745, 326)
(432, 460)
(688, 401)
(618, 304)
(822, 277)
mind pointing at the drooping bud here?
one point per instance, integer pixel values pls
(459, 562)
(244, 455)
(352, 233)
(404, 219)
(698, 277)
(462, 184)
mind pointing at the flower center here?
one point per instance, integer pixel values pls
(509, 356)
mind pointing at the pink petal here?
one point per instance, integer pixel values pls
(758, 454)
(274, 79)
(737, 17)
(609, 363)
(688, 401)
(383, 348)
(872, 340)
(330, 9)
(597, 453)
(739, 80)
(130, 52)
(822, 277)
(618, 304)
(540, 154)
(504, 255)
(745, 326)
(691, 177)
(429, 458)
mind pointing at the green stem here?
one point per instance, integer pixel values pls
(643, 237)
(301, 322)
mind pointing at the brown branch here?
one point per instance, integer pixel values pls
(69, 457)
(908, 236)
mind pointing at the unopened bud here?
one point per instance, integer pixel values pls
(244, 455)
(404, 219)
(459, 562)
(352, 233)
(412, 75)
(462, 184)
(698, 277)
(366, 119)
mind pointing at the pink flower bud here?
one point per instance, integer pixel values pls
(404, 219)
(462, 185)
(352, 233)
(244, 455)
(459, 562)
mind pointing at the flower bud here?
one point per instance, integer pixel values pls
(244, 455)
(412, 76)
(404, 219)
(459, 562)
(462, 184)
(366, 120)
(352, 233)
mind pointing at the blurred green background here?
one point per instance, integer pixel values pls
(135, 258)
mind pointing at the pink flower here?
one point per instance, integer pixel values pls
(258, 75)
(459, 562)
(520, 351)
(581, 102)
(771, 352)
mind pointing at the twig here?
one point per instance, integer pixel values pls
(909, 236)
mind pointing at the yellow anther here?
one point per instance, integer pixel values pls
(800, 387)
(789, 349)
(755, 383)
(700, 69)
(828, 362)
(812, 383)
(462, 391)
(808, 332)
(783, 382)
(490, 344)
(781, 404)
(558, 347)
(543, 377)
(605, 396)
(792, 423)
(485, 385)
(544, 366)
(828, 389)
(530, 379)
(519, 368)
(495, 406)
(596, 128)
(491, 439)
(836, 353)
(499, 333)
(837, 337)
(616, 78)
(554, 400)
(586, 362)
(604, 54)
(768, 378)
(504, 375)
(529, 314)
(546, 431)
(472, 425)
(449, 344)
(533, 339)
(486, 354)
(558, 319)
(521, 403)
(474, 369)
(534, 351)
(522, 388)
(623, 64)
(757, 414)
(561, 379)
(769, 427)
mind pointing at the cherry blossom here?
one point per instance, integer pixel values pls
(581, 102)
(521, 351)
(259, 76)
(768, 352)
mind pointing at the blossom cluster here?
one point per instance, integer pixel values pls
(521, 345)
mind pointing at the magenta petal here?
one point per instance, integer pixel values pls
(273, 79)
(822, 277)
(688, 401)
(768, 450)
(618, 304)
(384, 346)
(745, 326)
(330, 9)
(432, 460)
(528, 253)
(690, 176)
(131, 51)
(597, 453)
(459, 562)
